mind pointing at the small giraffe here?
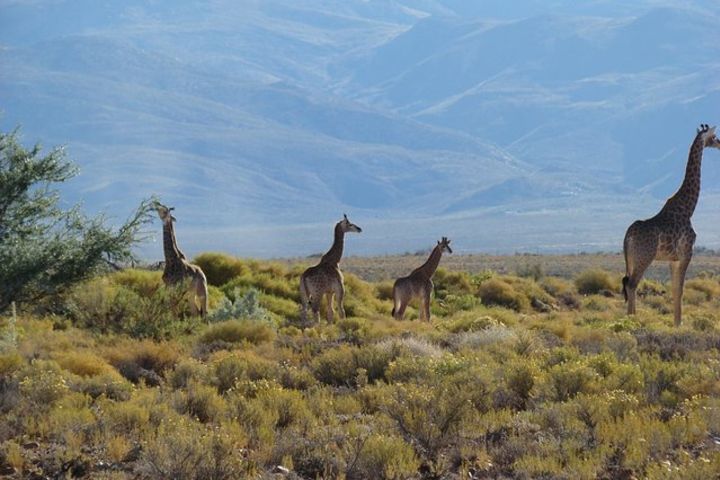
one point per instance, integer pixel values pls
(325, 278)
(669, 234)
(178, 269)
(418, 283)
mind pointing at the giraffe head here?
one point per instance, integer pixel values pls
(164, 212)
(348, 226)
(444, 245)
(709, 138)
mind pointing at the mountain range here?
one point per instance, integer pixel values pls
(507, 126)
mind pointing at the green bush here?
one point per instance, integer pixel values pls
(182, 449)
(452, 283)
(245, 306)
(200, 401)
(228, 370)
(569, 379)
(142, 282)
(185, 371)
(710, 288)
(105, 307)
(591, 282)
(520, 382)
(339, 366)
(384, 457)
(469, 322)
(145, 360)
(43, 383)
(384, 290)
(498, 292)
(220, 268)
(109, 385)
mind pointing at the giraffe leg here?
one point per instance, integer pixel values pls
(329, 298)
(398, 308)
(678, 270)
(304, 300)
(401, 311)
(340, 298)
(427, 297)
(193, 304)
(426, 306)
(637, 260)
(201, 294)
(316, 310)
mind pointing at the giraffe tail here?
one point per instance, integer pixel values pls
(625, 281)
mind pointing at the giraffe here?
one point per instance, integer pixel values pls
(669, 234)
(325, 278)
(178, 269)
(418, 283)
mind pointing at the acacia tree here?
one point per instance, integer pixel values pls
(43, 248)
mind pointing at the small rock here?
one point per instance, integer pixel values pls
(30, 445)
(281, 470)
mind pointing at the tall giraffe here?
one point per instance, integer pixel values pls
(669, 234)
(419, 283)
(325, 278)
(178, 269)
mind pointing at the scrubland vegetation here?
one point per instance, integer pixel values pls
(517, 376)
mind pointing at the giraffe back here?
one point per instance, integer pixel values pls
(412, 286)
(321, 279)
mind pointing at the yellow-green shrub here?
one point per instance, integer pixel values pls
(142, 282)
(220, 268)
(228, 369)
(182, 448)
(595, 281)
(568, 379)
(384, 290)
(238, 331)
(200, 401)
(83, 363)
(455, 283)
(339, 366)
(186, 370)
(709, 287)
(144, 360)
(10, 362)
(498, 292)
(384, 457)
(43, 383)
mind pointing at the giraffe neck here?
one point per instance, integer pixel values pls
(334, 255)
(428, 268)
(686, 198)
(172, 252)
